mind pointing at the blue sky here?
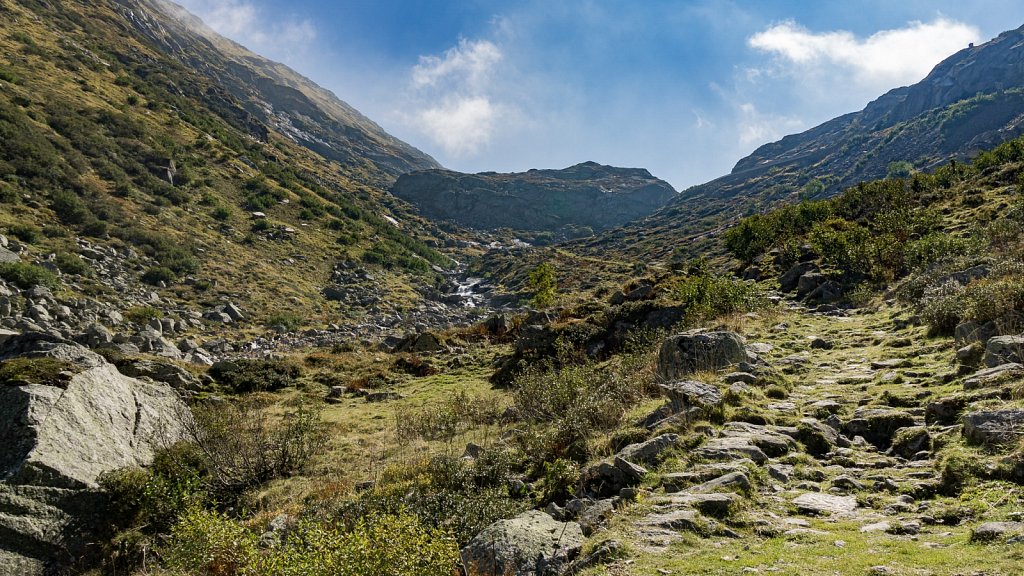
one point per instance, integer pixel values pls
(682, 88)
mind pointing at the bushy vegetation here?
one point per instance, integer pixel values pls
(205, 542)
(954, 251)
(706, 295)
(25, 276)
(542, 282)
(247, 375)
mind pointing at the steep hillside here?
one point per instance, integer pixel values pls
(584, 196)
(273, 93)
(971, 101)
(198, 169)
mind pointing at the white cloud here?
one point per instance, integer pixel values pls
(454, 97)
(887, 58)
(469, 64)
(461, 125)
(246, 23)
(755, 127)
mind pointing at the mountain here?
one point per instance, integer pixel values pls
(272, 93)
(587, 195)
(971, 101)
(128, 128)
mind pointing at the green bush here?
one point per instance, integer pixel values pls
(72, 264)
(242, 447)
(25, 276)
(248, 375)
(159, 274)
(707, 296)
(25, 232)
(141, 315)
(208, 543)
(541, 281)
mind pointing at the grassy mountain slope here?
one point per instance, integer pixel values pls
(122, 127)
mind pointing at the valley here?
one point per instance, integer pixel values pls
(245, 331)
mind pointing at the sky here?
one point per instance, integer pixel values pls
(684, 88)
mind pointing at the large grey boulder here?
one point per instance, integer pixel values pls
(696, 351)
(1004, 350)
(651, 451)
(531, 544)
(58, 437)
(165, 372)
(101, 421)
(994, 426)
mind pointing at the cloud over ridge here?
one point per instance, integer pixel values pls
(886, 58)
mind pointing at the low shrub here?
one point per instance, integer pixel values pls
(25, 275)
(208, 543)
(246, 375)
(72, 264)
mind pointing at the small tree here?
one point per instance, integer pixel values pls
(543, 284)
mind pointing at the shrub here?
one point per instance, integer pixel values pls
(72, 264)
(25, 232)
(246, 375)
(707, 296)
(208, 543)
(543, 284)
(141, 315)
(25, 276)
(159, 274)
(221, 213)
(241, 447)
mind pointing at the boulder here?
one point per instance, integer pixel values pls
(102, 420)
(878, 425)
(994, 375)
(696, 351)
(992, 427)
(816, 437)
(651, 451)
(992, 531)
(1004, 350)
(909, 441)
(531, 544)
(423, 342)
(8, 257)
(165, 372)
(789, 281)
(809, 282)
(692, 394)
(58, 440)
(827, 504)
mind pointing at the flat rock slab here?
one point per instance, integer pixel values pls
(992, 531)
(820, 504)
(678, 520)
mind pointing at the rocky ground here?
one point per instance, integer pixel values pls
(867, 461)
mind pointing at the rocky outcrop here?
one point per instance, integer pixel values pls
(584, 195)
(531, 544)
(684, 354)
(59, 439)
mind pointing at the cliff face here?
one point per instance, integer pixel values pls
(588, 195)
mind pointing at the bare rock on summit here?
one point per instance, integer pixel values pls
(588, 195)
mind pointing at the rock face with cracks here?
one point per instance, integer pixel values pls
(59, 439)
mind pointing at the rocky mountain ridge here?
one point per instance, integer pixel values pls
(971, 101)
(587, 195)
